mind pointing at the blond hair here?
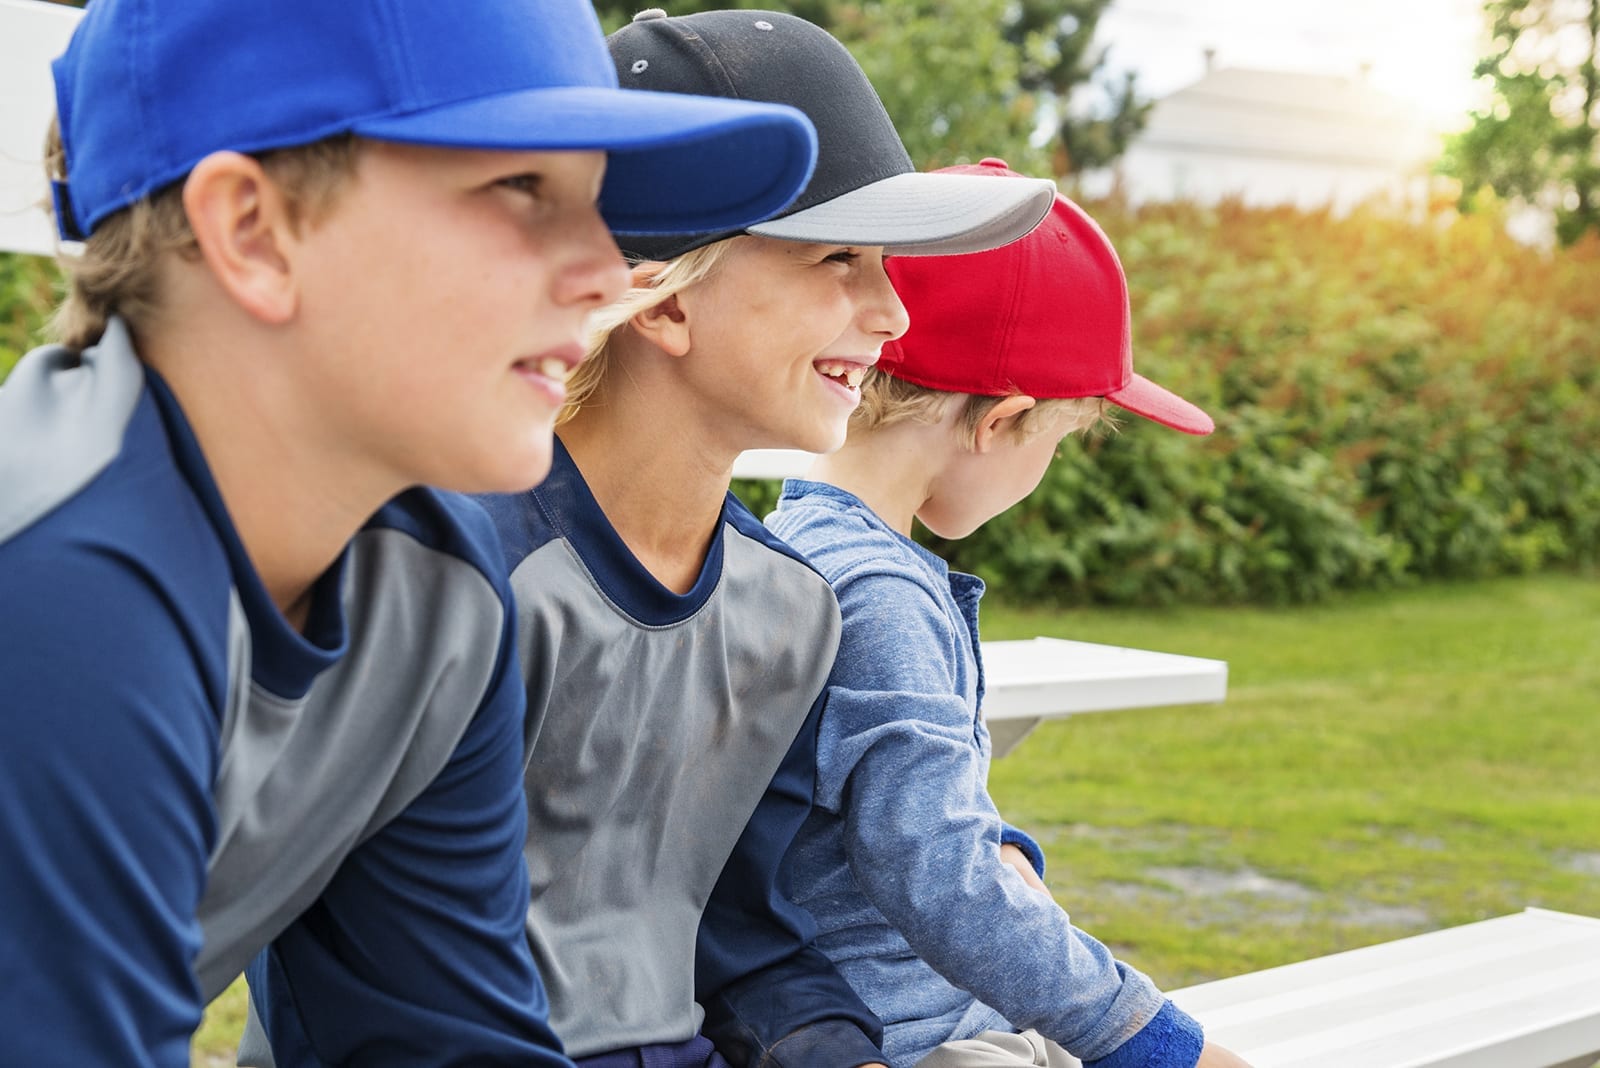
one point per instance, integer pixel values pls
(119, 270)
(886, 400)
(661, 281)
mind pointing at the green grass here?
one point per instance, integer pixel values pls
(218, 1038)
(1387, 764)
(1384, 765)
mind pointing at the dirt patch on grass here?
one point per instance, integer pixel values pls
(1207, 882)
(1208, 888)
(1582, 863)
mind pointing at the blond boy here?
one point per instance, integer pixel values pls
(930, 905)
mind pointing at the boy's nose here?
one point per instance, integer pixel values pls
(884, 314)
(595, 274)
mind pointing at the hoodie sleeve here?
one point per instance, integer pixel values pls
(899, 763)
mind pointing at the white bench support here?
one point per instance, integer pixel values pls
(1520, 991)
(31, 35)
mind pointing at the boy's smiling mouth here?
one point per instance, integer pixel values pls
(846, 373)
(554, 368)
(556, 364)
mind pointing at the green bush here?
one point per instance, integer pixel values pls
(27, 292)
(1395, 400)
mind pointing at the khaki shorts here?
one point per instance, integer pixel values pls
(1001, 1049)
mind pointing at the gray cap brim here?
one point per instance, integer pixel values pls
(921, 214)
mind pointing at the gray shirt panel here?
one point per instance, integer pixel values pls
(302, 783)
(654, 745)
(63, 427)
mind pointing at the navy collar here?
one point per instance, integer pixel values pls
(569, 505)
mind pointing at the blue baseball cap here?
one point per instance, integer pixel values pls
(148, 88)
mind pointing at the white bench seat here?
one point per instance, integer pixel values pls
(1044, 678)
(1520, 991)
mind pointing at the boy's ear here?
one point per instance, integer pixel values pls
(999, 420)
(242, 224)
(665, 325)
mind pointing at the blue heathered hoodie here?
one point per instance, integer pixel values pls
(900, 861)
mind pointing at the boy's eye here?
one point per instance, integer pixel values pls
(844, 255)
(522, 183)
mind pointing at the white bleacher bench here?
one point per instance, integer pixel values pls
(772, 463)
(31, 35)
(1044, 678)
(1520, 991)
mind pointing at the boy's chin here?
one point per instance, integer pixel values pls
(951, 527)
(821, 441)
(947, 532)
(531, 468)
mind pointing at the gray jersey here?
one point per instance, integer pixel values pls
(657, 726)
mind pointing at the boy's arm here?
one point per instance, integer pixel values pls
(415, 954)
(770, 996)
(110, 738)
(897, 760)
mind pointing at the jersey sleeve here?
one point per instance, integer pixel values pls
(922, 837)
(770, 996)
(415, 954)
(106, 819)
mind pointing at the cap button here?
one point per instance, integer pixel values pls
(650, 13)
(994, 161)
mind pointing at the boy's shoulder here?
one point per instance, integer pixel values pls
(737, 515)
(844, 539)
(67, 417)
(449, 525)
(563, 509)
(101, 531)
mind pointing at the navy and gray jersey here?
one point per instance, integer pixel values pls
(671, 762)
(186, 779)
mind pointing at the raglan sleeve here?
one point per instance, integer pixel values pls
(108, 708)
(898, 762)
(416, 954)
(770, 996)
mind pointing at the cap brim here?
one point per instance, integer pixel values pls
(1143, 397)
(921, 214)
(676, 163)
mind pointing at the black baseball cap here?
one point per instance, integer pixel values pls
(864, 190)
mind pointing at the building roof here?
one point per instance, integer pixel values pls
(1285, 115)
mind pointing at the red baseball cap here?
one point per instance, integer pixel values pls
(1046, 315)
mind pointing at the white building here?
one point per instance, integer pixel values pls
(1274, 137)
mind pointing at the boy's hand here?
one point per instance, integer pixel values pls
(1015, 857)
(1214, 1056)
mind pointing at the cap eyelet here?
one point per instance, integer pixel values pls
(763, 24)
(640, 66)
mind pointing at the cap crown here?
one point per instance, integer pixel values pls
(148, 88)
(772, 57)
(1047, 315)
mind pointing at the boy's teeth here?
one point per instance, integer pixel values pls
(842, 371)
(551, 367)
